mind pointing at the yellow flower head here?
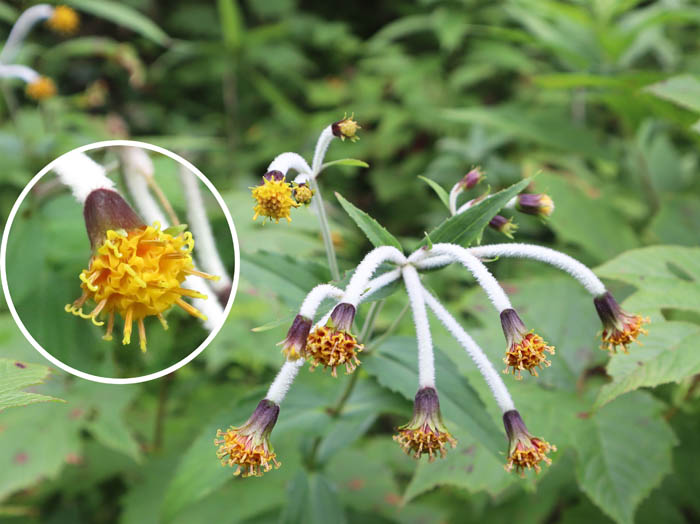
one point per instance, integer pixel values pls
(248, 447)
(41, 89)
(273, 197)
(425, 434)
(303, 194)
(333, 345)
(524, 450)
(64, 20)
(135, 271)
(619, 327)
(346, 128)
(526, 350)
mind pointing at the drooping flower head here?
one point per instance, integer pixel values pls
(333, 345)
(135, 270)
(294, 345)
(41, 88)
(425, 433)
(471, 179)
(619, 327)
(503, 225)
(248, 446)
(303, 193)
(525, 349)
(346, 128)
(64, 20)
(273, 197)
(535, 204)
(524, 450)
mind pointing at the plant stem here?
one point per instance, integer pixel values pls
(160, 413)
(325, 230)
(160, 195)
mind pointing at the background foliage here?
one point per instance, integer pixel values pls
(599, 97)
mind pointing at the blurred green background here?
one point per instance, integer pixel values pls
(599, 97)
(48, 248)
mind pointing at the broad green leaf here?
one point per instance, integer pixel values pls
(375, 232)
(312, 498)
(346, 162)
(669, 354)
(666, 276)
(683, 90)
(16, 376)
(677, 222)
(466, 227)
(123, 15)
(439, 190)
(624, 451)
(395, 366)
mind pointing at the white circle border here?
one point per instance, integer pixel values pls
(193, 354)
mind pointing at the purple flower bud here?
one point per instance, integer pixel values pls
(294, 345)
(535, 204)
(342, 317)
(106, 210)
(503, 225)
(471, 179)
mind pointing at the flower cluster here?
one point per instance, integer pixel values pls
(329, 342)
(136, 271)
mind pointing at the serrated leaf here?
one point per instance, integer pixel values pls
(439, 190)
(124, 16)
(346, 162)
(669, 354)
(467, 226)
(16, 376)
(375, 232)
(624, 451)
(395, 366)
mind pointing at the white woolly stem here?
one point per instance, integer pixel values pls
(511, 203)
(378, 283)
(286, 161)
(366, 268)
(324, 140)
(283, 381)
(549, 256)
(454, 194)
(426, 364)
(24, 73)
(467, 205)
(28, 19)
(316, 296)
(206, 252)
(150, 211)
(480, 272)
(81, 174)
(434, 262)
(483, 364)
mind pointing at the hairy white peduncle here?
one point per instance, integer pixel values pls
(283, 381)
(316, 296)
(286, 161)
(28, 19)
(454, 194)
(81, 174)
(364, 271)
(549, 256)
(24, 73)
(426, 364)
(483, 364)
(486, 280)
(324, 140)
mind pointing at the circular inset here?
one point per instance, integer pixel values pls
(143, 254)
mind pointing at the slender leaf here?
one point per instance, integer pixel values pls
(346, 162)
(439, 190)
(375, 232)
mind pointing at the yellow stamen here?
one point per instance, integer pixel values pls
(190, 293)
(190, 309)
(202, 274)
(127, 326)
(142, 335)
(110, 327)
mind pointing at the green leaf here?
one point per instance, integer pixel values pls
(175, 230)
(395, 366)
(123, 15)
(375, 232)
(231, 24)
(683, 90)
(624, 451)
(666, 276)
(444, 196)
(15, 376)
(346, 162)
(466, 227)
(669, 354)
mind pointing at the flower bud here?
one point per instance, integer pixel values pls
(525, 350)
(619, 327)
(248, 446)
(346, 128)
(524, 450)
(303, 194)
(342, 317)
(535, 204)
(294, 345)
(105, 209)
(471, 179)
(503, 225)
(425, 433)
